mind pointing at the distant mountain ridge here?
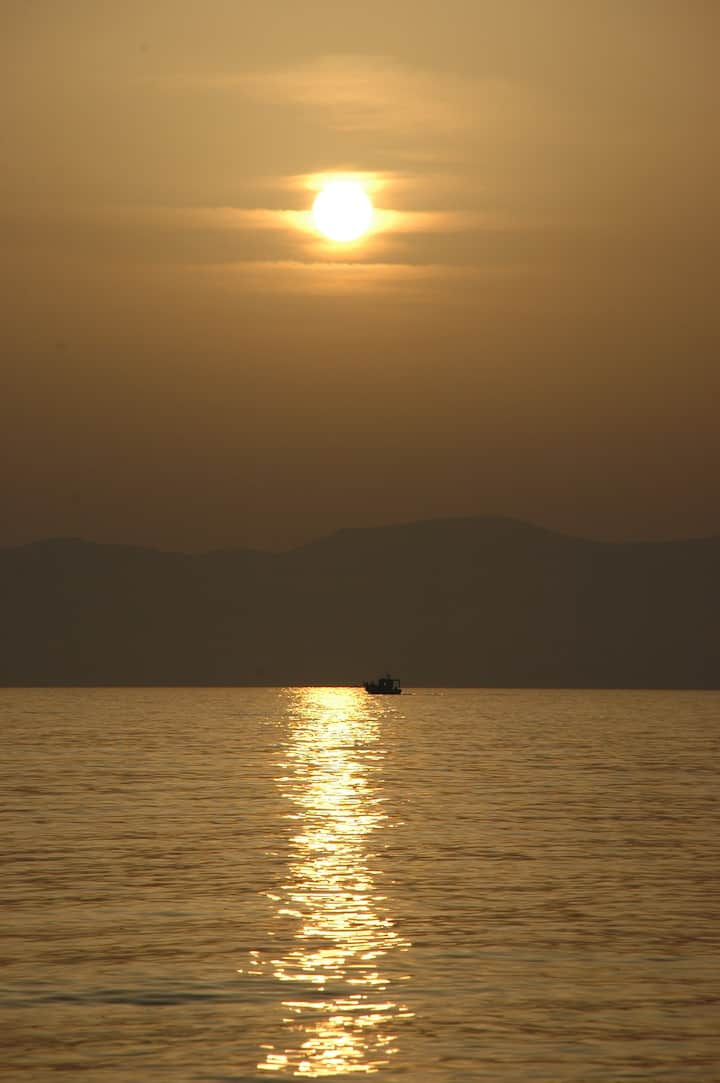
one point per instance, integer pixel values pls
(456, 602)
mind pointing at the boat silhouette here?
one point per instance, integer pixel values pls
(384, 686)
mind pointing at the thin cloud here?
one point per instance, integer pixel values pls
(403, 248)
(384, 280)
(379, 95)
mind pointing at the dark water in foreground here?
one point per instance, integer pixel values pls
(444, 886)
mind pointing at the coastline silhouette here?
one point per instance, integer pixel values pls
(466, 602)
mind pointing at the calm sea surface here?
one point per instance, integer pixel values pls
(239, 884)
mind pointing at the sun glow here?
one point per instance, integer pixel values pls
(342, 211)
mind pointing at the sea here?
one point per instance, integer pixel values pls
(270, 884)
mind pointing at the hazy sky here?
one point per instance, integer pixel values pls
(532, 329)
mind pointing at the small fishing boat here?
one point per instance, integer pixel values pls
(384, 686)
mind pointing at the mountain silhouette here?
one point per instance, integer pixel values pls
(456, 602)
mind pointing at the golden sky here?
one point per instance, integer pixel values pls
(531, 329)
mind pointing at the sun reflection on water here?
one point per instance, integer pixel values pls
(342, 1013)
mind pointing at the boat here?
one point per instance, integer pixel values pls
(384, 686)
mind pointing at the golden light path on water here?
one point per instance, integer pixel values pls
(340, 1012)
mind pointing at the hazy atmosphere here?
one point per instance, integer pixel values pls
(529, 329)
(360, 540)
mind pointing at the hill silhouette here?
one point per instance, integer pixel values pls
(458, 602)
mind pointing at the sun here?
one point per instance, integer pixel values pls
(342, 211)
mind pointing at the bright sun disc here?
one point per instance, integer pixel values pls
(342, 211)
